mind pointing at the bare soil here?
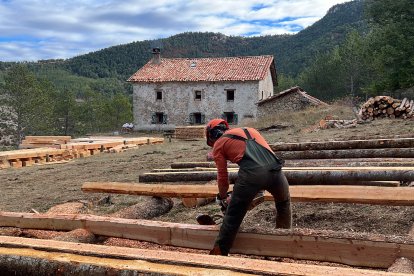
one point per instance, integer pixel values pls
(39, 188)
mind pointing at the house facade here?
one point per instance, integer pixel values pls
(292, 99)
(169, 92)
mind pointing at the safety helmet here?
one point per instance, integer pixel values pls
(215, 129)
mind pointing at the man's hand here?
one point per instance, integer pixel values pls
(223, 201)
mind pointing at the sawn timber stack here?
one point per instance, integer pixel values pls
(377, 251)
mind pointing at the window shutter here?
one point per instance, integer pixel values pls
(235, 119)
(203, 118)
(192, 119)
(154, 118)
(164, 118)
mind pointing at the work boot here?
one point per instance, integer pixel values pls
(216, 251)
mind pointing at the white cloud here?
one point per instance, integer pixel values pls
(32, 30)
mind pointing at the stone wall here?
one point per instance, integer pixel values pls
(179, 101)
(287, 102)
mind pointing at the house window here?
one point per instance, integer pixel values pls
(159, 118)
(197, 95)
(230, 117)
(159, 95)
(230, 95)
(197, 118)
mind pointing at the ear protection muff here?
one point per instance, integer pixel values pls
(216, 133)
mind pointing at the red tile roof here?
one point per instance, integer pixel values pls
(297, 89)
(248, 68)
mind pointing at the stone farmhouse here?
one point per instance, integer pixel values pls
(292, 99)
(169, 92)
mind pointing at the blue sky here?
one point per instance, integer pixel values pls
(31, 30)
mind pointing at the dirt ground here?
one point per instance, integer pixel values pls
(38, 188)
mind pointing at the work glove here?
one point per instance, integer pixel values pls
(223, 202)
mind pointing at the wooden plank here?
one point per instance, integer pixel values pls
(48, 137)
(340, 247)
(29, 153)
(403, 264)
(175, 261)
(322, 193)
(298, 176)
(350, 144)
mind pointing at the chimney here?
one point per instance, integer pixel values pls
(156, 55)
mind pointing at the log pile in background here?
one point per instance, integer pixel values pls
(190, 132)
(387, 107)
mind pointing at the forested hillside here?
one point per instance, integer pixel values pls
(292, 52)
(360, 48)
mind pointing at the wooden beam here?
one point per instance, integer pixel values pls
(350, 153)
(299, 176)
(158, 261)
(321, 193)
(340, 247)
(350, 144)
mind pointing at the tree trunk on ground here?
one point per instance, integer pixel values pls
(351, 153)
(351, 144)
(147, 209)
(295, 177)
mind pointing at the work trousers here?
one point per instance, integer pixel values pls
(248, 184)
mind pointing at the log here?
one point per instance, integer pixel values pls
(353, 162)
(123, 260)
(351, 144)
(340, 247)
(184, 165)
(350, 153)
(298, 176)
(191, 202)
(317, 193)
(148, 209)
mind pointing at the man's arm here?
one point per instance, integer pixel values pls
(222, 174)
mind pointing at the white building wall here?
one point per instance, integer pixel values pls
(265, 87)
(178, 101)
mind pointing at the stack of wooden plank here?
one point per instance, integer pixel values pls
(31, 142)
(28, 157)
(49, 257)
(63, 148)
(363, 250)
(190, 132)
(387, 107)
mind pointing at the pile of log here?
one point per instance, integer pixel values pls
(387, 107)
(190, 132)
